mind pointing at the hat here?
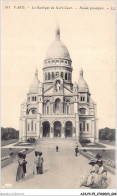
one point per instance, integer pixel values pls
(98, 156)
(92, 161)
(100, 161)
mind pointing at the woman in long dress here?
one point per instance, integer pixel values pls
(100, 181)
(88, 180)
(35, 169)
(20, 172)
(40, 163)
(24, 164)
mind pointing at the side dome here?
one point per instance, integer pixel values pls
(34, 84)
(57, 49)
(82, 85)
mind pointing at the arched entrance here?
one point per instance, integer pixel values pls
(46, 129)
(68, 129)
(57, 129)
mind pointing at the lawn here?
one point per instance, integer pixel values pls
(20, 144)
(109, 154)
(108, 142)
(7, 142)
(8, 151)
(96, 145)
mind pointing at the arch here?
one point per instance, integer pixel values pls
(57, 128)
(46, 128)
(86, 110)
(68, 129)
(57, 105)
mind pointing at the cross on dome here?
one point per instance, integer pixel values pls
(57, 32)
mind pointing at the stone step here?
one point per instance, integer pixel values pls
(58, 141)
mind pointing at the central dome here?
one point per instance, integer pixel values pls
(57, 49)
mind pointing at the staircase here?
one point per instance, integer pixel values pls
(64, 143)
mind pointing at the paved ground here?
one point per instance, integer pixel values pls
(62, 170)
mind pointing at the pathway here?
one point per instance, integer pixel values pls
(62, 170)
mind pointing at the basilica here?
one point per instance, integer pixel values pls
(56, 107)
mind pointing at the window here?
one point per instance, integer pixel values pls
(83, 98)
(48, 61)
(66, 62)
(47, 109)
(31, 125)
(48, 76)
(35, 98)
(33, 111)
(35, 126)
(65, 76)
(62, 61)
(88, 99)
(69, 77)
(52, 75)
(53, 61)
(87, 126)
(83, 125)
(57, 61)
(67, 109)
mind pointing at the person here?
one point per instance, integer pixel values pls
(98, 156)
(76, 151)
(88, 180)
(40, 163)
(24, 164)
(101, 180)
(35, 170)
(56, 148)
(20, 172)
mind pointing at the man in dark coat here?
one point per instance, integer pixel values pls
(76, 151)
(56, 148)
(24, 163)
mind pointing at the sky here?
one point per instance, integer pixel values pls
(89, 35)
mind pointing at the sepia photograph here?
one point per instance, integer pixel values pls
(58, 95)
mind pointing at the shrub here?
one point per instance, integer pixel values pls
(31, 140)
(85, 141)
(84, 150)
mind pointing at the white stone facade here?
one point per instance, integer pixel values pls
(57, 107)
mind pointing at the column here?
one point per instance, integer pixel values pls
(44, 105)
(53, 107)
(51, 132)
(23, 130)
(77, 127)
(20, 130)
(97, 130)
(61, 107)
(38, 126)
(92, 130)
(73, 132)
(41, 131)
(63, 132)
